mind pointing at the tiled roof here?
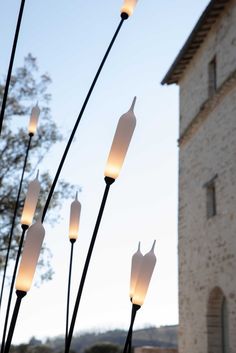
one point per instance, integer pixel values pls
(194, 41)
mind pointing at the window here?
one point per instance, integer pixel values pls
(217, 322)
(210, 187)
(211, 199)
(212, 84)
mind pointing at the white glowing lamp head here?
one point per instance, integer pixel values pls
(137, 259)
(33, 122)
(120, 144)
(144, 277)
(30, 255)
(128, 7)
(30, 202)
(75, 210)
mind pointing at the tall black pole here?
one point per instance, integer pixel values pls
(20, 294)
(14, 216)
(13, 51)
(24, 229)
(124, 16)
(108, 181)
(68, 289)
(128, 342)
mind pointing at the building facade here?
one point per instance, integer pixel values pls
(205, 71)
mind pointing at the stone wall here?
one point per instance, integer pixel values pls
(207, 246)
(221, 41)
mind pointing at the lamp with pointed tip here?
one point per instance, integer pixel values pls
(124, 17)
(33, 122)
(135, 268)
(32, 127)
(29, 260)
(145, 267)
(128, 7)
(75, 210)
(121, 141)
(145, 273)
(26, 220)
(30, 201)
(30, 255)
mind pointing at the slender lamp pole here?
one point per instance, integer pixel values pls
(75, 211)
(127, 347)
(31, 129)
(108, 182)
(26, 219)
(30, 255)
(72, 241)
(119, 147)
(5, 94)
(124, 16)
(20, 294)
(141, 272)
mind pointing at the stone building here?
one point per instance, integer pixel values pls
(205, 70)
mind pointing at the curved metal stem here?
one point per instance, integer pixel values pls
(128, 342)
(24, 229)
(20, 294)
(68, 290)
(109, 181)
(13, 51)
(14, 217)
(79, 118)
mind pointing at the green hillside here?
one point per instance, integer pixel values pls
(165, 336)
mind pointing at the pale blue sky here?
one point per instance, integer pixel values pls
(69, 39)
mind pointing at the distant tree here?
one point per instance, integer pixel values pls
(104, 347)
(34, 341)
(40, 349)
(21, 348)
(26, 88)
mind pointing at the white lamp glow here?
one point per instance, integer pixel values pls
(120, 144)
(128, 7)
(30, 255)
(137, 259)
(30, 202)
(75, 210)
(34, 117)
(144, 277)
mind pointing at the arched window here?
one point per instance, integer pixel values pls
(217, 322)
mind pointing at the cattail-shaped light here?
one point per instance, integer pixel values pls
(137, 259)
(30, 202)
(128, 7)
(120, 144)
(34, 117)
(75, 210)
(30, 255)
(144, 277)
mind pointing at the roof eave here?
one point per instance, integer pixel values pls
(194, 41)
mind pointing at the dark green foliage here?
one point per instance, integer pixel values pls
(106, 342)
(105, 347)
(165, 336)
(25, 348)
